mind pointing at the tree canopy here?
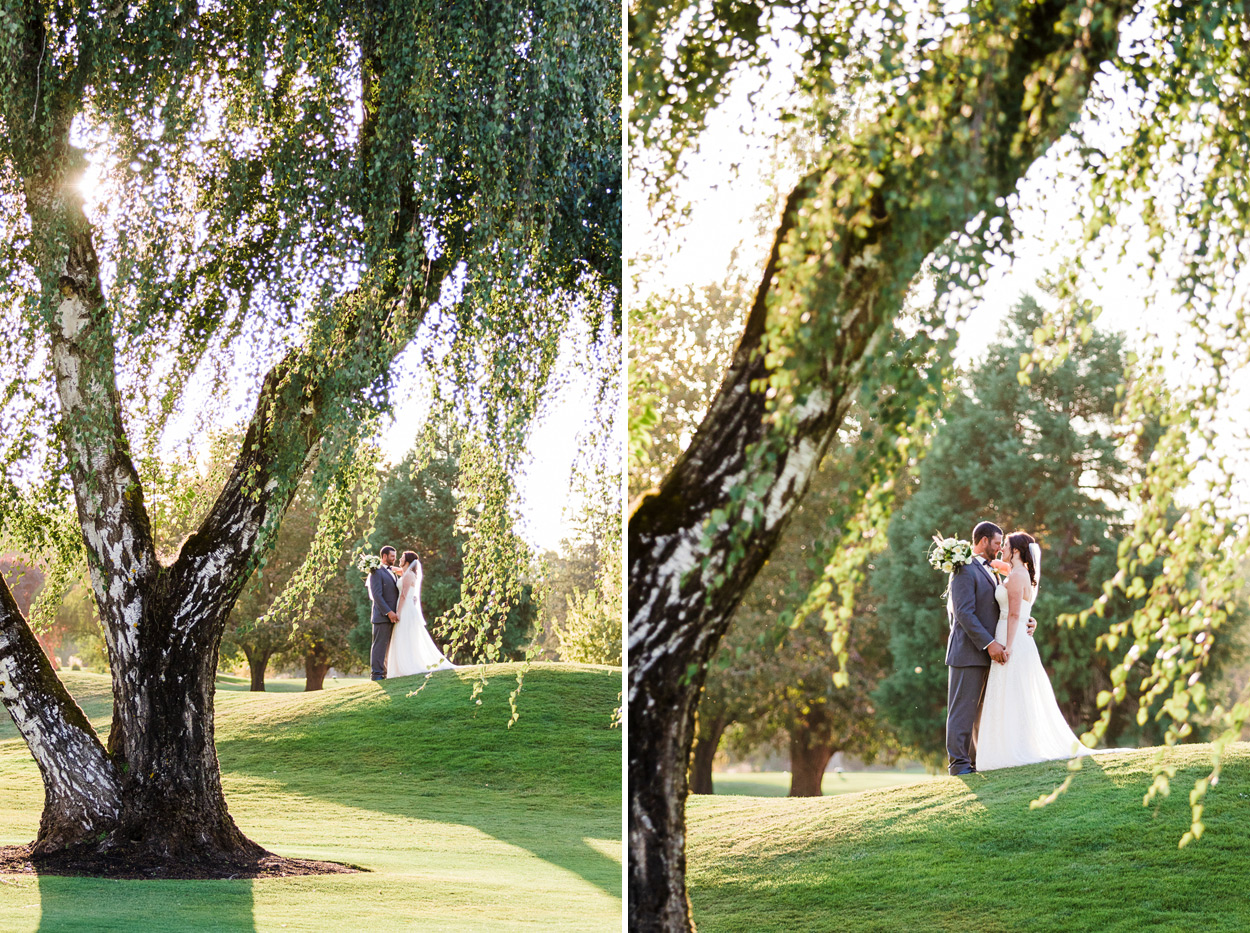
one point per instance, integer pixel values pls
(302, 192)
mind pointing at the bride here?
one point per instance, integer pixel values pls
(412, 650)
(1020, 721)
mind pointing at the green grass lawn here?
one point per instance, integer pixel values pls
(463, 823)
(967, 854)
(777, 783)
(284, 684)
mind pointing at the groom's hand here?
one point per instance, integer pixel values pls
(392, 617)
(997, 652)
(1031, 626)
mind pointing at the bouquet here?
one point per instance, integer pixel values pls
(366, 563)
(948, 553)
(945, 554)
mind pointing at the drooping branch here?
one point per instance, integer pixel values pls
(299, 400)
(304, 393)
(853, 236)
(79, 779)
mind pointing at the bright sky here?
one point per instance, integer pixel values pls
(547, 504)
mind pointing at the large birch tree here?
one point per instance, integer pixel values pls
(290, 194)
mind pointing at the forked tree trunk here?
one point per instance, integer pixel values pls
(154, 796)
(173, 808)
(952, 149)
(810, 751)
(316, 663)
(710, 730)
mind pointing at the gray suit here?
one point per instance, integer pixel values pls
(384, 594)
(973, 619)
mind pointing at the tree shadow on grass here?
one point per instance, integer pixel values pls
(101, 905)
(546, 785)
(1102, 804)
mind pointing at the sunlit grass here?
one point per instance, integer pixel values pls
(969, 854)
(777, 783)
(463, 823)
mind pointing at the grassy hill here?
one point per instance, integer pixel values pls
(463, 823)
(967, 853)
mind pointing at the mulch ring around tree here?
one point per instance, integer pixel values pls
(17, 860)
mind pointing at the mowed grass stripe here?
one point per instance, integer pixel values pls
(777, 783)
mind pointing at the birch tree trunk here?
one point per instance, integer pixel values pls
(153, 799)
(848, 245)
(82, 787)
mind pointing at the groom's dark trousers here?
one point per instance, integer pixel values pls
(973, 619)
(384, 594)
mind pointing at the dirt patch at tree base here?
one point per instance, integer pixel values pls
(17, 860)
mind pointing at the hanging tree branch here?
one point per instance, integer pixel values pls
(263, 176)
(299, 402)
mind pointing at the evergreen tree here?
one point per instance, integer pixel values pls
(1039, 458)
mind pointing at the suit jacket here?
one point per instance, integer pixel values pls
(973, 615)
(383, 593)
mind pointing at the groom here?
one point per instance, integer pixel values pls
(971, 646)
(384, 594)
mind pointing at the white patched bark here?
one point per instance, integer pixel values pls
(79, 779)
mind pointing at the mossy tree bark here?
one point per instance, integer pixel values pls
(851, 239)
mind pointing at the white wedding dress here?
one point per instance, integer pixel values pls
(1020, 721)
(412, 650)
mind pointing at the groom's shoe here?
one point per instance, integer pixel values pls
(962, 773)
